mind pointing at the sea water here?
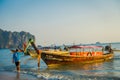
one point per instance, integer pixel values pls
(109, 70)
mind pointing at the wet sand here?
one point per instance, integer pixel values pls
(8, 76)
(15, 76)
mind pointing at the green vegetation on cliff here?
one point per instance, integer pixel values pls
(10, 39)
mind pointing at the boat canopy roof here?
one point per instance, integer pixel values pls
(86, 47)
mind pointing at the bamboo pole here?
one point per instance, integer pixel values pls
(37, 51)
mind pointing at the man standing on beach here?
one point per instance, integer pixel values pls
(16, 59)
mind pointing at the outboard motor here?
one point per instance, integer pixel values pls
(108, 48)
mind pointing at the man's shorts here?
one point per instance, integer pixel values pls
(17, 63)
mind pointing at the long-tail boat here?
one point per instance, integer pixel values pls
(76, 54)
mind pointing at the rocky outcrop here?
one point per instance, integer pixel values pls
(10, 39)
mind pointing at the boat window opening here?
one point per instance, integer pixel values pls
(78, 50)
(91, 50)
(81, 50)
(72, 50)
(98, 49)
(86, 50)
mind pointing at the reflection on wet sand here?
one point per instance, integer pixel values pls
(18, 76)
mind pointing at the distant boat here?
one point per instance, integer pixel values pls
(76, 54)
(117, 50)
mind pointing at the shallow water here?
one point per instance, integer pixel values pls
(109, 70)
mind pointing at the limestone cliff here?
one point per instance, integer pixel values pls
(10, 39)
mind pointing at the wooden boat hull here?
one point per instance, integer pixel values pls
(53, 58)
(33, 54)
(68, 59)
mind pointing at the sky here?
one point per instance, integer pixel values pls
(63, 21)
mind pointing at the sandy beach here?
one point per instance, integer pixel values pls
(5, 76)
(15, 76)
(9, 76)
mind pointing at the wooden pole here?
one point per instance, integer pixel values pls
(37, 51)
